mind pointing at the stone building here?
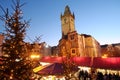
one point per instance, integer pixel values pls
(110, 50)
(75, 44)
(55, 51)
(41, 48)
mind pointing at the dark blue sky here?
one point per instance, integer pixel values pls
(99, 18)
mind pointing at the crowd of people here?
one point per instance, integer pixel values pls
(85, 75)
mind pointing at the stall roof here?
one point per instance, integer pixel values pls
(96, 62)
(107, 63)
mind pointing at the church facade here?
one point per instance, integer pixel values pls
(73, 43)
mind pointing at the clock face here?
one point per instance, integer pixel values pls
(65, 20)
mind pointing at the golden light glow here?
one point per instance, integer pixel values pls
(44, 63)
(51, 77)
(104, 56)
(38, 68)
(33, 56)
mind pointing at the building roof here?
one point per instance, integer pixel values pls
(115, 44)
(67, 10)
(86, 35)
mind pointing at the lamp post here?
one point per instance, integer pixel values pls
(34, 56)
(34, 61)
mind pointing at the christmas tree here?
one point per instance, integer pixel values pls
(15, 64)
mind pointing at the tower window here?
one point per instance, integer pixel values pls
(73, 51)
(72, 37)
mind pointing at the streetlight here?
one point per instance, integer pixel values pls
(104, 56)
(34, 56)
(34, 60)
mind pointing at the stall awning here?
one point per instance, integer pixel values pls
(96, 62)
(107, 63)
(52, 59)
(82, 61)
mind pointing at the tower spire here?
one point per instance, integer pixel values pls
(67, 10)
(67, 22)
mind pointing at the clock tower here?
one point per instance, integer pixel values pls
(67, 22)
(73, 43)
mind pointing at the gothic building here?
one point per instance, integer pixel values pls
(75, 44)
(110, 50)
